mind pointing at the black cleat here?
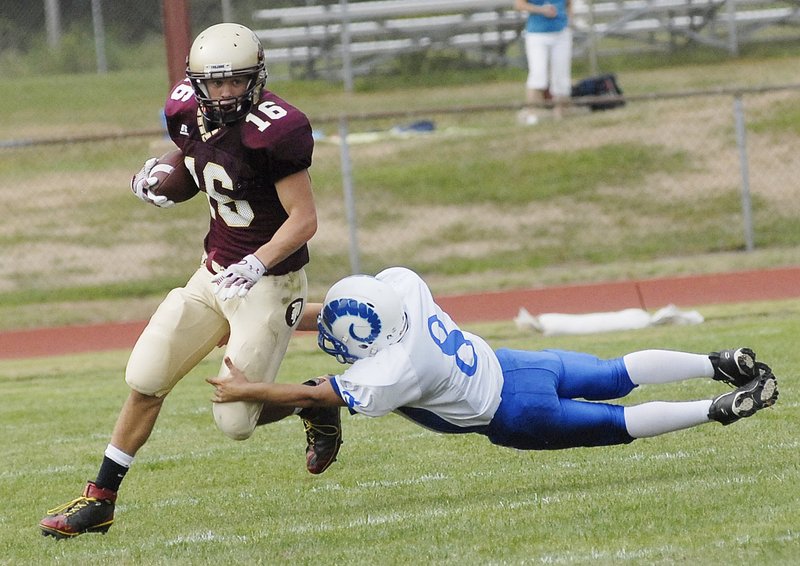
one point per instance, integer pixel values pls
(323, 426)
(734, 367)
(93, 512)
(748, 399)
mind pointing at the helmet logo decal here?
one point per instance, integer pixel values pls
(212, 69)
(351, 307)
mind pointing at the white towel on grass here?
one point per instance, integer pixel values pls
(556, 324)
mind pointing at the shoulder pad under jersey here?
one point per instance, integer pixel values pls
(274, 122)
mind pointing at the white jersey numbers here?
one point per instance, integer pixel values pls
(182, 92)
(271, 110)
(215, 181)
(235, 213)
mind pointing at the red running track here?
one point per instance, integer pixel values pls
(649, 294)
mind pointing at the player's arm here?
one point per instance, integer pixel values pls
(309, 319)
(238, 388)
(297, 198)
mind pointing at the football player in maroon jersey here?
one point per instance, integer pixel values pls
(249, 151)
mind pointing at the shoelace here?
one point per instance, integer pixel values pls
(311, 429)
(72, 507)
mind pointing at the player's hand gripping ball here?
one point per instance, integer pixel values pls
(164, 181)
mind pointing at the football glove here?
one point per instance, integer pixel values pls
(238, 278)
(142, 182)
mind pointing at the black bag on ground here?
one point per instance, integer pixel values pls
(599, 86)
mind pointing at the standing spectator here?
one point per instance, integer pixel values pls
(548, 48)
(249, 151)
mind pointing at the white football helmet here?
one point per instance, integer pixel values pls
(361, 316)
(222, 51)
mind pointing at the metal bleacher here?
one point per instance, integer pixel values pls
(310, 38)
(663, 24)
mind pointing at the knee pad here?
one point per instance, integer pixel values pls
(236, 420)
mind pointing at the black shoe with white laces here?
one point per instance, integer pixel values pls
(747, 400)
(734, 367)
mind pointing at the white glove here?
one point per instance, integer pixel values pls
(239, 278)
(142, 182)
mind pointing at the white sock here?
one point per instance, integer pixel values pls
(665, 366)
(120, 457)
(659, 417)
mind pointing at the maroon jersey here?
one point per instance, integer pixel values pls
(237, 166)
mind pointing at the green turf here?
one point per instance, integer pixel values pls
(400, 494)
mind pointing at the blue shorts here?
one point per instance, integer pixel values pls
(538, 410)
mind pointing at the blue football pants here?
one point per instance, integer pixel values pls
(540, 409)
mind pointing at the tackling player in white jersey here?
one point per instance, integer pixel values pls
(408, 356)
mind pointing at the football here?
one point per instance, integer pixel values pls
(174, 180)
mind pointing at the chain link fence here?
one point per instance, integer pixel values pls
(676, 175)
(695, 149)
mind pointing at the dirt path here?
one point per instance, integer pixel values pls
(648, 294)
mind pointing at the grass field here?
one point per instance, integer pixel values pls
(400, 494)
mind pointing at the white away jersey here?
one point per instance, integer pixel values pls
(437, 375)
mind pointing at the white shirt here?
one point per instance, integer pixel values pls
(437, 375)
